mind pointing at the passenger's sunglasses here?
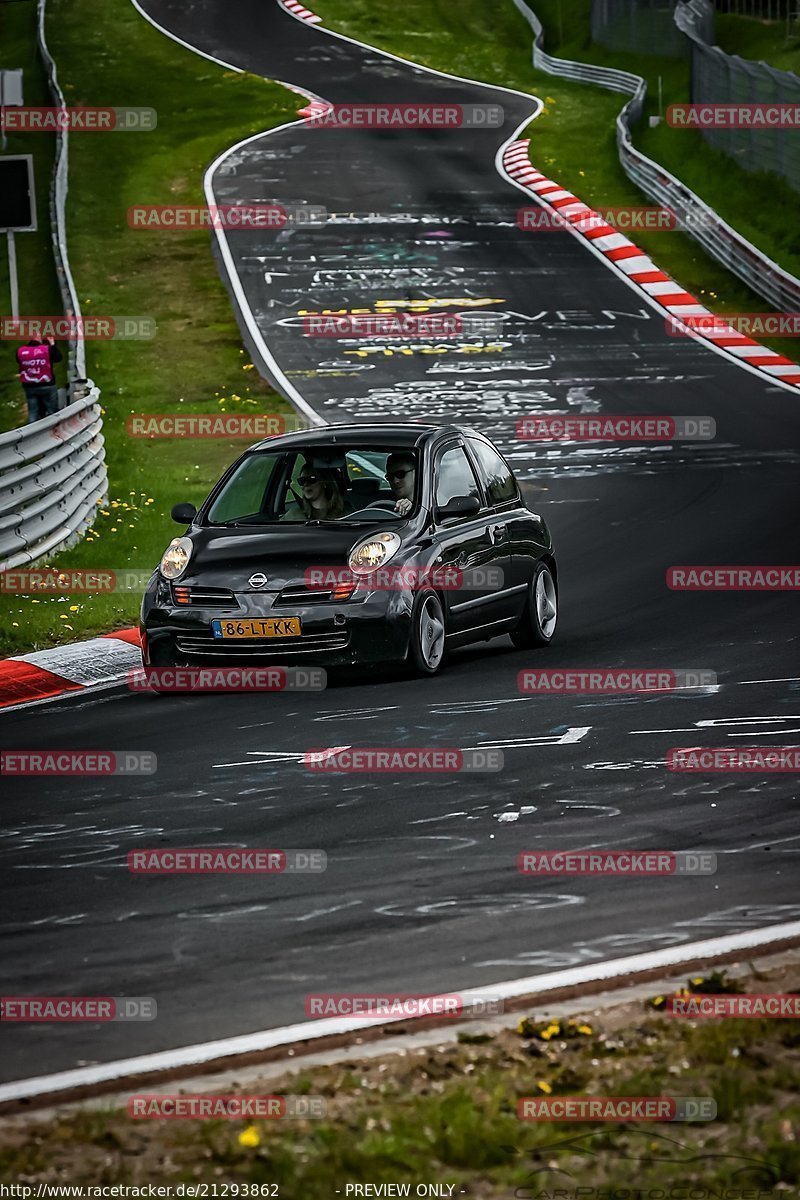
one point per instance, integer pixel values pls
(304, 479)
(390, 475)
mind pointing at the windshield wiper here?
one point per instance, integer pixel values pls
(332, 523)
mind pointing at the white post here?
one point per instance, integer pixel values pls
(12, 274)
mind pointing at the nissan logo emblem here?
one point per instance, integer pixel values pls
(258, 580)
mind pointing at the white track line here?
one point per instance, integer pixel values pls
(205, 1052)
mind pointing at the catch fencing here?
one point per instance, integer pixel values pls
(638, 27)
(720, 78)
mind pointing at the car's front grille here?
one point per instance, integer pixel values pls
(304, 595)
(200, 644)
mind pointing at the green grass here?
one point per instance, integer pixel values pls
(38, 283)
(773, 42)
(574, 138)
(449, 1115)
(196, 362)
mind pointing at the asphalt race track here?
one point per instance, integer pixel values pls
(422, 893)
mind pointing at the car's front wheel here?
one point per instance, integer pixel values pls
(538, 622)
(426, 643)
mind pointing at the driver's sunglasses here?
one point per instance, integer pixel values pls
(304, 479)
(390, 475)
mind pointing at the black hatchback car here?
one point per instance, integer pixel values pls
(350, 545)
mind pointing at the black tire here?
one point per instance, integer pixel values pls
(537, 624)
(426, 644)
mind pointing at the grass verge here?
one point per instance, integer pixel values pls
(196, 362)
(574, 138)
(448, 1116)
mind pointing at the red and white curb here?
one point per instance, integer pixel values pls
(641, 270)
(45, 674)
(300, 11)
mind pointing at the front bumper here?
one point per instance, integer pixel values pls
(367, 629)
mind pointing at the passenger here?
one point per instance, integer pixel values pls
(322, 498)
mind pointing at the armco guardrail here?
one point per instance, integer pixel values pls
(52, 477)
(719, 239)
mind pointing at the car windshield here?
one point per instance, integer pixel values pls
(319, 484)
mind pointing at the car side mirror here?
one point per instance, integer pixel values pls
(184, 514)
(459, 506)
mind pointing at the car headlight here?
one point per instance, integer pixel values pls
(373, 552)
(176, 557)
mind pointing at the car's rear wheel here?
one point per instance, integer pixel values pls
(426, 644)
(538, 622)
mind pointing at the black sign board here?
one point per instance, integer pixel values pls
(17, 198)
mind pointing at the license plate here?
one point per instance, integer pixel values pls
(269, 627)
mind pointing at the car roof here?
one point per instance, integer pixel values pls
(360, 434)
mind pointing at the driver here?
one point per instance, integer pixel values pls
(401, 474)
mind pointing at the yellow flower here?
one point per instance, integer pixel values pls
(249, 1136)
(74, 608)
(544, 1086)
(584, 1029)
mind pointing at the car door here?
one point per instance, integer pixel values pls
(524, 533)
(468, 545)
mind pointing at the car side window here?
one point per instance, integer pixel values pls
(455, 477)
(498, 480)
